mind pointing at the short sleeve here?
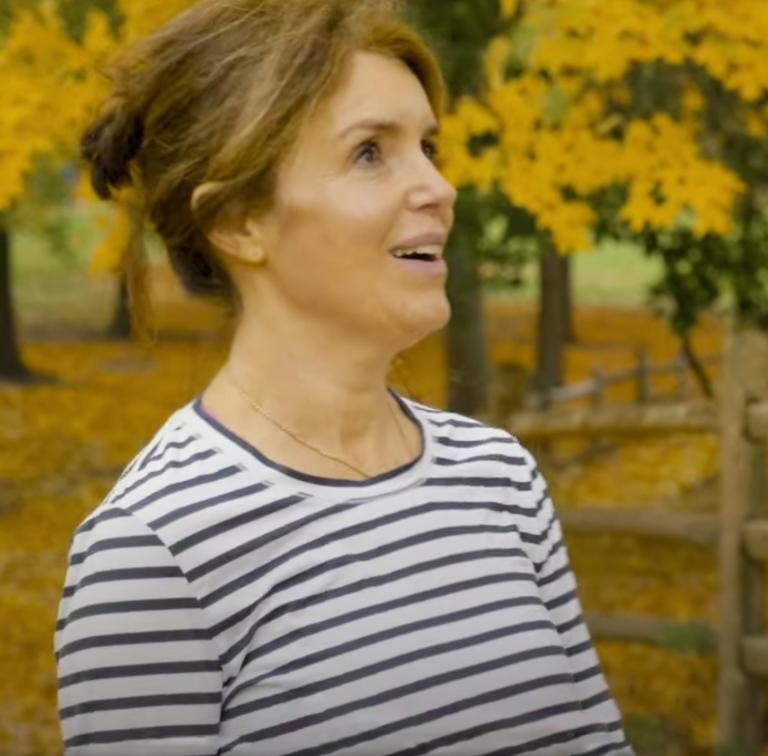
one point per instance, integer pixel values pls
(137, 669)
(558, 590)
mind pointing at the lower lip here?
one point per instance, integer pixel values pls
(428, 267)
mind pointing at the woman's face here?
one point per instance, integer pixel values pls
(359, 184)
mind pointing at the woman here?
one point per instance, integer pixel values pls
(302, 561)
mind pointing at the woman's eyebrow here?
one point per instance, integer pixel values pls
(380, 126)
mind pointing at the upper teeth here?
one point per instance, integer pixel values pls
(432, 250)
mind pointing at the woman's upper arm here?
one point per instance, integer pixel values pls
(558, 590)
(137, 670)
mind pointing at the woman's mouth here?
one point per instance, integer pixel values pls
(426, 259)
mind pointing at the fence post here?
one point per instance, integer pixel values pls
(642, 375)
(509, 387)
(598, 387)
(740, 698)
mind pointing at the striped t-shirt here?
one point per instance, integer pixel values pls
(219, 603)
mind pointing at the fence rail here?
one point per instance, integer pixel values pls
(594, 388)
(756, 539)
(754, 652)
(654, 630)
(694, 527)
(510, 389)
(757, 421)
(632, 420)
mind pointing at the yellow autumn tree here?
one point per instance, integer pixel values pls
(53, 84)
(49, 87)
(564, 108)
(47, 82)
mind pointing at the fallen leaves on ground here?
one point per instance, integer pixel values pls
(64, 444)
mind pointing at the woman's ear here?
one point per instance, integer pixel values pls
(237, 235)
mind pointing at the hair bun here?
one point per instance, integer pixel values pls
(109, 146)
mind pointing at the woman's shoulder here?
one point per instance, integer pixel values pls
(458, 436)
(180, 449)
(459, 425)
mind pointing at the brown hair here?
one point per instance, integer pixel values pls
(218, 94)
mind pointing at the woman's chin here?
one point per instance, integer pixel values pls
(425, 320)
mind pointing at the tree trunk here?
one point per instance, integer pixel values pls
(467, 356)
(553, 321)
(120, 327)
(567, 292)
(11, 367)
(698, 369)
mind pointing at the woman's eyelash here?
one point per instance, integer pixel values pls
(428, 145)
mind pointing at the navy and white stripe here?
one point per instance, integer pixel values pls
(219, 603)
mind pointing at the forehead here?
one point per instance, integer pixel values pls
(372, 87)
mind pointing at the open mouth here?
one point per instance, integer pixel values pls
(424, 256)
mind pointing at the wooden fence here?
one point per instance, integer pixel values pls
(640, 374)
(739, 530)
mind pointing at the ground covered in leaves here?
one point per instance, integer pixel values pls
(65, 442)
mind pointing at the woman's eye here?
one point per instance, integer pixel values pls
(430, 149)
(368, 153)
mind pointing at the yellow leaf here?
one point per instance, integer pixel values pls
(509, 7)
(495, 59)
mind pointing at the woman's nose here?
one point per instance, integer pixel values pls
(432, 188)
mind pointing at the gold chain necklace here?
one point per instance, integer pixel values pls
(262, 411)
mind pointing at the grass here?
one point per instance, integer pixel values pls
(52, 288)
(614, 274)
(54, 292)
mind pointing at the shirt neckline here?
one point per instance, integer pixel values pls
(398, 477)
